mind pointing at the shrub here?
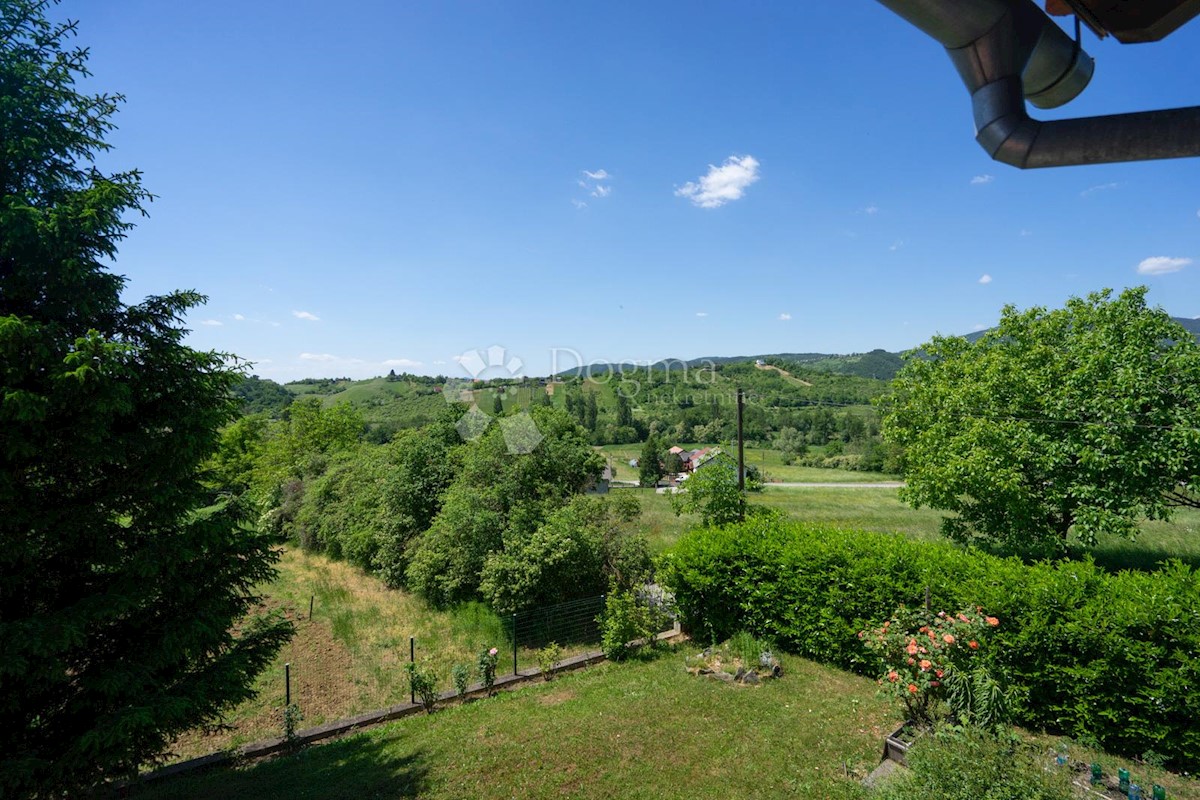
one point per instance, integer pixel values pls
(488, 658)
(461, 675)
(929, 660)
(623, 622)
(424, 685)
(1087, 653)
(548, 658)
(972, 764)
(292, 717)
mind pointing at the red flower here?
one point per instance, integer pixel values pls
(912, 688)
(935, 683)
(893, 676)
(974, 645)
(939, 673)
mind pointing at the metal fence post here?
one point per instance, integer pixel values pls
(514, 633)
(412, 659)
(287, 685)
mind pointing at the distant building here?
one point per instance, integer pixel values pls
(601, 484)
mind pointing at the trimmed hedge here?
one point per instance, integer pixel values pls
(1092, 654)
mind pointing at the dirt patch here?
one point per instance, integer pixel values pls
(556, 698)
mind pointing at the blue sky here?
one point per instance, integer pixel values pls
(368, 185)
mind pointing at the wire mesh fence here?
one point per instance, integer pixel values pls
(348, 658)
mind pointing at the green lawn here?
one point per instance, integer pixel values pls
(644, 729)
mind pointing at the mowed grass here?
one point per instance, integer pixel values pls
(636, 730)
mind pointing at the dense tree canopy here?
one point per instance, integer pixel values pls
(122, 578)
(1082, 419)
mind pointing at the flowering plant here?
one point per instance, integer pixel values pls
(928, 658)
(487, 668)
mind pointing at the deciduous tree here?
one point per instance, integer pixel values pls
(1081, 419)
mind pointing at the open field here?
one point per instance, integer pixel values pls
(769, 462)
(646, 729)
(877, 509)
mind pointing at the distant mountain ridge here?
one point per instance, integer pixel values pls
(879, 364)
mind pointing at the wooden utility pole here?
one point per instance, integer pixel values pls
(741, 457)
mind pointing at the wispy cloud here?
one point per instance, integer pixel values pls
(1101, 188)
(985, 279)
(401, 362)
(979, 180)
(784, 317)
(871, 209)
(591, 184)
(318, 357)
(896, 245)
(1161, 265)
(308, 315)
(979, 327)
(721, 184)
(212, 322)
(701, 313)
(239, 317)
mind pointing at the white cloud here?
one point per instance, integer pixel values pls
(578, 203)
(212, 322)
(784, 317)
(401, 362)
(1161, 265)
(722, 184)
(239, 317)
(317, 357)
(979, 180)
(308, 315)
(896, 245)
(598, 175)
(439, 362)
(701, 313)
(602, 191)
(871, 209)
(1101, 188)
(985, 279)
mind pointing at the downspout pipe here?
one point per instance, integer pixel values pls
(1009, 51)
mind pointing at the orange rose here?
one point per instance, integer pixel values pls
(992, 621)
(974, 645)
(912, 647)
(912, 688)
(925, 664)
(939, 673)
(893, 676)
(948, 638)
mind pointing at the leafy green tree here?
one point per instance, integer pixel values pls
(591, 412)
(582, 548)
(712, 492)
(650, 465)
(1080, 419)
(125, 590)
(497, 403)
(790, 442)
(624, 410)
(260, 395)
(499, 496)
